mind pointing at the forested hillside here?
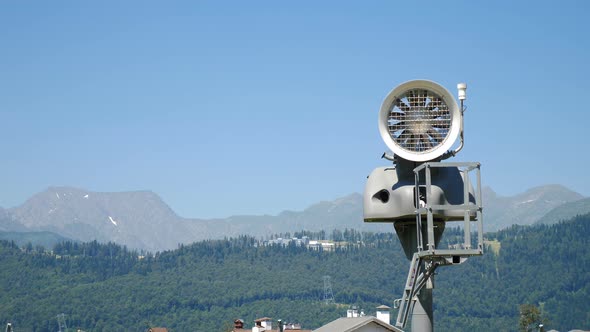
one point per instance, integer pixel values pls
(544, 265)
(206, 285)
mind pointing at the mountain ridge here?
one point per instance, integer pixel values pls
(566, 211)
(142, 220)
(523, 208)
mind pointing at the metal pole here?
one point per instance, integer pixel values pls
(422, 313)
(422, 318)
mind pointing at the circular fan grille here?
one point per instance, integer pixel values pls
(419, 120)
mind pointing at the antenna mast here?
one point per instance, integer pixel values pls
(328, 295)
(61, 322)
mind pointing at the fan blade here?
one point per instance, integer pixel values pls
(411, 96)
(403, 136)
(438, 113)
(422, 98)
(433, 104)
(402, 106)
(440, 124)
(396, 116)
(434, 108)
(396, 127)
(411, 142)
(426, 141)
(435, 135)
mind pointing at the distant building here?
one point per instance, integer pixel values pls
(355, 322)
(358, 324)
(265, 324)
(262, 324)
(293, 327)
(325, 245)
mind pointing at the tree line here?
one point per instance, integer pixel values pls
(206, 284)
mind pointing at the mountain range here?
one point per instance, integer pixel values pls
(142, 220)
(525, 208)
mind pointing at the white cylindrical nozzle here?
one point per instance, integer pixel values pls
(462, 87)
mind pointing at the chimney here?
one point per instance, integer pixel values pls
(383, 313)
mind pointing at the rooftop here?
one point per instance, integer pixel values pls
(354, 324)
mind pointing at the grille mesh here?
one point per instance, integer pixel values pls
(419, 120)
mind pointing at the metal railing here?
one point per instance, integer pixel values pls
(426, 259)
(468, 207)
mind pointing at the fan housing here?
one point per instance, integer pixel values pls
(419, 120)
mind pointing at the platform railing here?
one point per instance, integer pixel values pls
(426, 260)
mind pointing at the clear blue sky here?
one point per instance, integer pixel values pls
(253, 107)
